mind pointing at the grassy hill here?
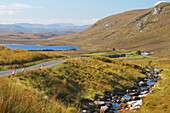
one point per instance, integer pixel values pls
(82, 78)
(14, 58)
(145, 29)
(63, 88)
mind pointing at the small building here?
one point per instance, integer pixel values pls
(145, 53)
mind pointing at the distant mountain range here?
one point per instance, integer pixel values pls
(144, 30)
(37, 28)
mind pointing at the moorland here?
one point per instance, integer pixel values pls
(109, 61)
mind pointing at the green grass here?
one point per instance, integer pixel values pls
(159, 100)
(103, 53)
(82, 78)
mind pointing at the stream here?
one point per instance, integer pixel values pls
(130, 99)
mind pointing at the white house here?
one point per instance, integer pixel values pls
(145, 53)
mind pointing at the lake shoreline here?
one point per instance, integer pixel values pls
(39, 47)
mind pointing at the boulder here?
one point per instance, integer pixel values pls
(144, 92)
(134, 108)
(108, 99)
(131, 102)
(133, 94)
(104, 108)
(135, 98)
(99, 102)
(127, 91)
(84, 111)
(141, 96)
(114, 101)
(114, 97)
(118, 101)
(124, 100)
(156, 76)
(141, 83)
(137, 103)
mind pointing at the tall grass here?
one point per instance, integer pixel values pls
(16, 98)
(82, 78)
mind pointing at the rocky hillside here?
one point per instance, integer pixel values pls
(146, 30)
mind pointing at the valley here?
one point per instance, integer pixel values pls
(119, 64)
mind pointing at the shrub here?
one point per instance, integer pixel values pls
(138, 52)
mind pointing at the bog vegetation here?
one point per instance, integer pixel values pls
(64, 88)
(14, 58)
(82, 79)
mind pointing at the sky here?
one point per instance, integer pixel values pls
(78, 12)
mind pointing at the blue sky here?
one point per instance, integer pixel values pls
(79, 12)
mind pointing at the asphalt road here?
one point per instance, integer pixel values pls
(37, 66)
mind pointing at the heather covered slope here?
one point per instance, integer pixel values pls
(146, 29)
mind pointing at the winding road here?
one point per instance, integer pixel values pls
(46, 64)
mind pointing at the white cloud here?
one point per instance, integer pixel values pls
(159, 3)
(7, 12)
(22, 6)
(18, 6)
(2, 7)
(90, 21)
(47, 21)
(74, 21)
(10, 9)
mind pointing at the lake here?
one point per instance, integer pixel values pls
(32, 47)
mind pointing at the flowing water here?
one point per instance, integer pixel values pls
(130, 100)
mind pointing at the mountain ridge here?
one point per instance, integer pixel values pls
(37, 28)
(144, 29)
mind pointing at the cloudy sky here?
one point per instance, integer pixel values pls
(79, 12)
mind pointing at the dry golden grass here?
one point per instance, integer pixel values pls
(14, 58)
(83, 78)
(17, 98)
